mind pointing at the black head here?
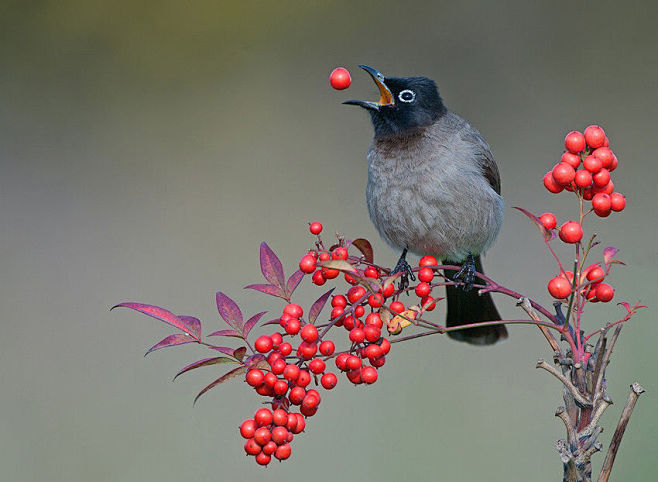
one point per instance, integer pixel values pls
(405, 104)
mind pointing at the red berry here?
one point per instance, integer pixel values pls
(316, 366)
(378, 362)
(354, 376)
(339, 301)
(291, 372)
(428, 303)
(291, 425)
(324, 256)
(269, 448)
(372, 333)
(559, 287)
(369, 375)
(376, 300)
(563, 173)
(330, 273)
(427, 261)
(359, 311)
(571, 232)
(263, 344)
(248, 428)
(279, 417)
(270, 379)
(307, 264)
(293, 326)
(352, 362)
(397, 306)
(355, 293)
(371, 272)
(596, 273)
(285, 349)
(592, 164)
(263, 459)
(307, 350)
(617, 201)
(309, 333)
(349, 323)
(278, 366)
(608, 188)
(280, 434)
(336, 312)
(293, 310)
(327, 347)
(613, 164)
(283, 452)
(341, 361)
(374, 319)
(315, 227)
(386, 346)
(357, 335)
(583, 178)
(605, 154)
(423, 289)
(303, 379)
(572, 159)
(604, 292)
(425, 274)
(296, 395)
(551, 184)
(594, 136)
(263, 416)
(350, 279)
(339, 253)
(340, 78)
(310, 401)
(329, 381)
(574, 142)
(588, 194)
(251, 447)
(602, 178)
(388, 290)
(548, 220)
(601, 202)
(373, 351)
(301, 424)
(277, 339)
(254, 378)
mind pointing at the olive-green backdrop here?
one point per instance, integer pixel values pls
(147, 148)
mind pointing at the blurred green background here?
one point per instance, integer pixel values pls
(147, 148)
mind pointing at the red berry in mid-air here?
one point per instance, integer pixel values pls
(315, 227)
(574, 142)
(559, 287)
(571, 232)
(548, 220)
(340, 78)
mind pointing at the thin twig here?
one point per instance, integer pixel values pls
(598, 386)
(636, 391)
(527, 307)
(561, 413)
(567, 383)
(589, 430)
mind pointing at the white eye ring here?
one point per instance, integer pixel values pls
(406, 97)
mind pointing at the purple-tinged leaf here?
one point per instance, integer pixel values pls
(271, 267)
(193, 324)
(204, 363)
(239, 353)
(224, 349)
(267, 289)
(236, 372)
(608, 253)
(159, 314)
(232, 333)
(257, 360)
(251, 322)
(172, 340)
(293, 282)
(272, 322)
(316, 307)
(340, 265)
(625, 305)
(365, 247)
(229, 311)
(548, 234)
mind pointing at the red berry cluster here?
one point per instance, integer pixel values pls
(270, 433)
(584, 169)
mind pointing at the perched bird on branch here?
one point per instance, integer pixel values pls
(434, 188)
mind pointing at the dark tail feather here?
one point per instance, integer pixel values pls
(466, 307)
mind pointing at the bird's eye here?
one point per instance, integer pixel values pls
(407, 96)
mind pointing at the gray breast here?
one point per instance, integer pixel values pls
(427, 192)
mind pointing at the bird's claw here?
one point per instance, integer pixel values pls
(405, 268)
(467, 273)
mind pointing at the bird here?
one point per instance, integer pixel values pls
(434, 189)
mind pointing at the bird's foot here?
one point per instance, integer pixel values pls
(403, 267)
(467, 273)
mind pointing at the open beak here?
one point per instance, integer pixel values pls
(385, 96)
